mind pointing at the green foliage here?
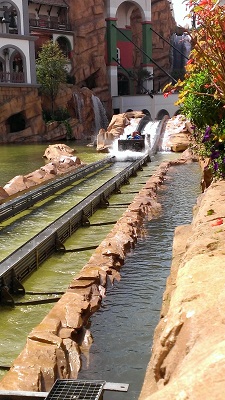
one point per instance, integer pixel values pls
(51, 70)
(62, 114)
(202, 92)
(199, 104)
(69, 132)
(142, 75)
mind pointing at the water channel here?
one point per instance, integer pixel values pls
(123, 328)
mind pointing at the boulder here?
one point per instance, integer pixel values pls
(63, 162)
(189, 350)
(3, 194)
(16, 184)
(54, 151)
(176, 134)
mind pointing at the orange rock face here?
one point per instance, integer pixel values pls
(188, 358)
(176, 134)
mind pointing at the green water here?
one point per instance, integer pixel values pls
(58, 271)
(23, 159)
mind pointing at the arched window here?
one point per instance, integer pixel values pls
(65, 46)
(8, 18)
(17, 74)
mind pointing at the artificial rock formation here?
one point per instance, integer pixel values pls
(105, 138)
(176, 133)
(164, 24)
(188, 356)
(89, 67)
(53, 348)
(62, 160)
(14, 101)
(175, 130)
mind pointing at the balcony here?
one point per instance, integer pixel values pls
(49, 24)
(12, 77)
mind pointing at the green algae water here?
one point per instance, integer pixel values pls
(23, 159)
(59, 270)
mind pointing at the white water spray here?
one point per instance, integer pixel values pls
(151, 133)
(172, 127)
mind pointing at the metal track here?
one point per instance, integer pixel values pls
(24, 261)
(24, 201)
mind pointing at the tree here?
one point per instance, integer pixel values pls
(51, 70)
(142, 75)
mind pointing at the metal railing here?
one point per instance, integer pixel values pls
(24, 201)
(49, 24)
(23, 262)
(12, 77)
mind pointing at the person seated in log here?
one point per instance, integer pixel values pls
(134, 135)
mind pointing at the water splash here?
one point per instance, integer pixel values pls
(172, 127)
(151, 132)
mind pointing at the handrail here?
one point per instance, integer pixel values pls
(165, 40)
(12, 207)
(142, 51)
(25, 260)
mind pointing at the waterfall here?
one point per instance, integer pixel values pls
(183, 44)
(172, 127)
(79, 103)
(101, 120)
(152, 134)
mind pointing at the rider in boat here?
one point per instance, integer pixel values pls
(134, 135)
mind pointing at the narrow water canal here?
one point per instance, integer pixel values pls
(58, 271)
(123, 328)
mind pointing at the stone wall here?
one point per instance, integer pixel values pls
(28, 102)
(21, 100)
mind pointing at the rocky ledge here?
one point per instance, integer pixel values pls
(62, 161)
(188, 355)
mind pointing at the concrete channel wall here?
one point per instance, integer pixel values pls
(53, 348)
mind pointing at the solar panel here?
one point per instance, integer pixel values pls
(72, 389)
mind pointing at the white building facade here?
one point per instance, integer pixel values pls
(17, 51)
